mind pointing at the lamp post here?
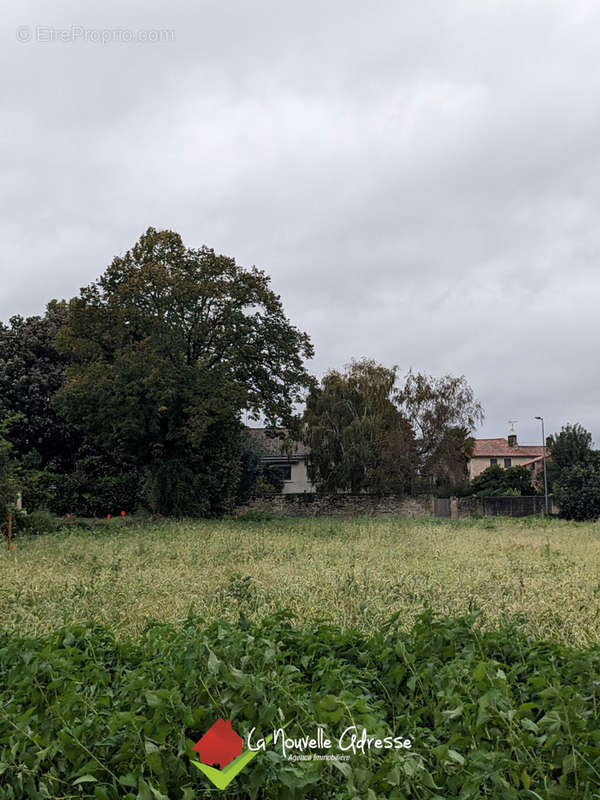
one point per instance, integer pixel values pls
(544, 457)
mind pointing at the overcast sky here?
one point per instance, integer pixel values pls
(420, 179)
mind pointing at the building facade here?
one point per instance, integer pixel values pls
(288, 459)
(505, 453)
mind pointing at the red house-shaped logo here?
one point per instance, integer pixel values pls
(219, 745)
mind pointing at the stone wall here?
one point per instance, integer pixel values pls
(311, 505)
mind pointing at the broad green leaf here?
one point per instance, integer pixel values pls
(85, 779)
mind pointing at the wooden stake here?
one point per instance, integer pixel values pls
(9, 528)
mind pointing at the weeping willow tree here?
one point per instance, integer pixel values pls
(359, 441)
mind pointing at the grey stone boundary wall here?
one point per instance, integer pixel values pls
(353, 505)
(348, 505)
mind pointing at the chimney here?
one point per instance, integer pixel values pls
(512, 438)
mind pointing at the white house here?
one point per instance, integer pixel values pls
(288, 459)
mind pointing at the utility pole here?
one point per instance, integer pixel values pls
(544, 458)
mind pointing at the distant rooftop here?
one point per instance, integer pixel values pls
(486, 448)
(275, 446)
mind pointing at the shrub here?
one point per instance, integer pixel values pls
(577, 492)
(497, 482)
(44, 489)
(38, 522)
(95, 488)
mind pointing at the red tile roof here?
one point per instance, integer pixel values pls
(486, 448)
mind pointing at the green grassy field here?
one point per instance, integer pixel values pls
(112, 711)
(355, 573)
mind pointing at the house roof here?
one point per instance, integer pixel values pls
(274, 447)
(483, 448)
(535, 460)
(486, 448)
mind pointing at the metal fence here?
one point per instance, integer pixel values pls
(501, 506)
(513, 506)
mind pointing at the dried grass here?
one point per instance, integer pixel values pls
(545, 574)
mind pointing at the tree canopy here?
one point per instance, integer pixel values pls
(7, 467)
(443, 413)
(132, 394)
(31, 371)
(574, 473)
(168, 347)
(573, 445)
(366, 434)
(359, 441)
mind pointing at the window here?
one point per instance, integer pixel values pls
(493, 462)
(284, 471)
(507, 462)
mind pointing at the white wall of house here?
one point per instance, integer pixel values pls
(479, 463)
(299, 484)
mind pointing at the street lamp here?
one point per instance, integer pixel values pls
(544, 457)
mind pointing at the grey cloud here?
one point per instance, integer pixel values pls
(420, 180)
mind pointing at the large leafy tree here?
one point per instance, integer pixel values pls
(443, 412)
(358, 439)
(169, 345)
